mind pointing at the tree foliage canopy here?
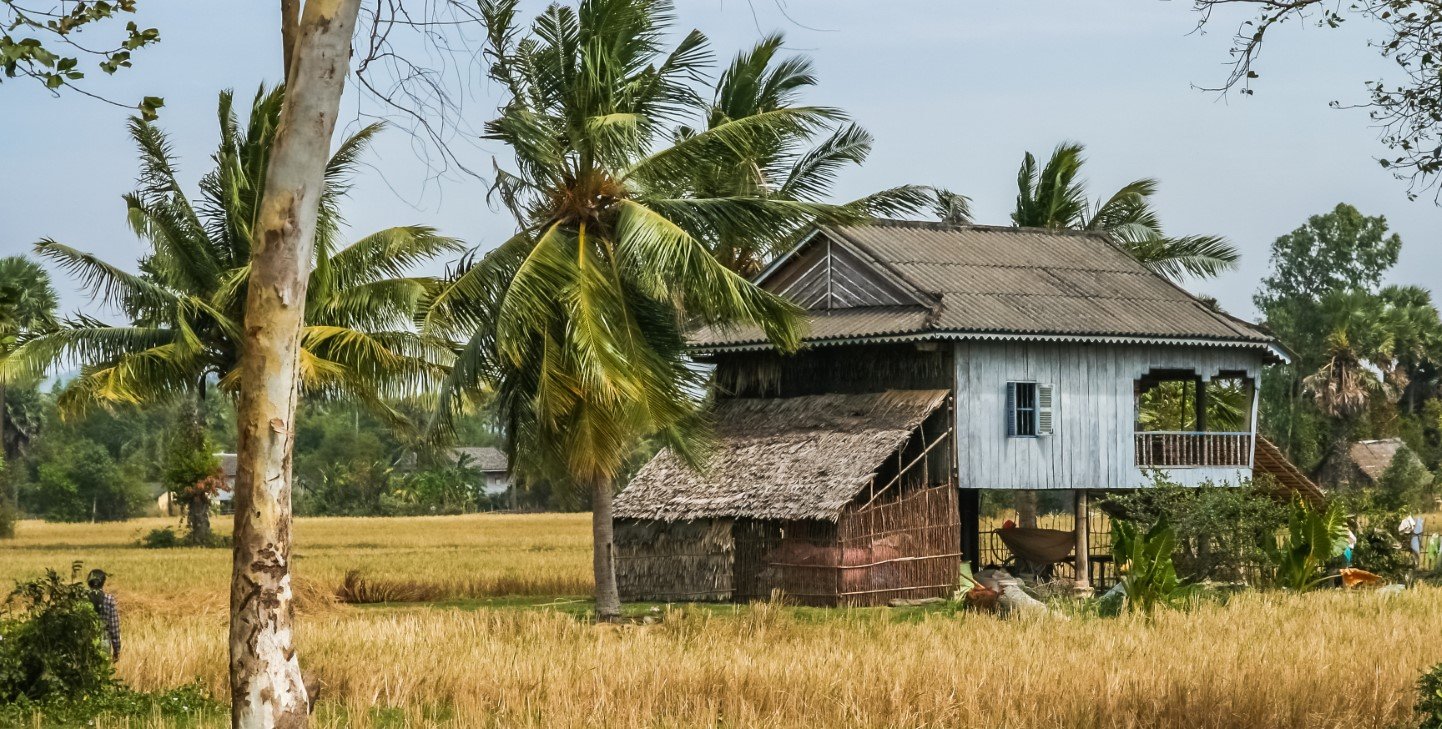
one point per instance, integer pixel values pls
(576, 322)
(186, 304)
(1054, 196)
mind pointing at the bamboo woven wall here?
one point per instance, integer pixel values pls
(907, 547)
(680, 561)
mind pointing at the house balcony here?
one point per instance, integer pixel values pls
(1191, 449)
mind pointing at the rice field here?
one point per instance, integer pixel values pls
(504, 644)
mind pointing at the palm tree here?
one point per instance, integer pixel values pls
(575, 324)
(185, 307)
(1359, 342)
(1055, 197)
(800, 164)
(27, 308)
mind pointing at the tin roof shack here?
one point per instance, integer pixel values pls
(1070, 367)
(837, 499)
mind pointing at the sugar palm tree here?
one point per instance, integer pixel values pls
(185, 307)
(1359, 342)
(799, 164)
(27, 309)
(575, 324)
(1054, 196)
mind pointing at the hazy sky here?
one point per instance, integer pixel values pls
(954, 91)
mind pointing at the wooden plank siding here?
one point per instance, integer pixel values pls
(1093, 446)
(829, 276)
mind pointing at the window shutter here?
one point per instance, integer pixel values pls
(1010, 409)
(1043, 409)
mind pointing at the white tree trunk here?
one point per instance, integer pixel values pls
(265, 680)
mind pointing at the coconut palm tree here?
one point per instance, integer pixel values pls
(575, 324)
(185, 307)
(798, 165)
(1054, 196)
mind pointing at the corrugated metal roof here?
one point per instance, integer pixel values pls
(991, 280)
(482, 458)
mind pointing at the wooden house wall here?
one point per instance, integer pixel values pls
(840, 369)
(1095, 412)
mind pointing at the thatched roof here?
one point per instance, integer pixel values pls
(930, 280)
(781, 458)
(1373, 457)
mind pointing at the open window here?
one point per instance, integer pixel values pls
(1029, 409)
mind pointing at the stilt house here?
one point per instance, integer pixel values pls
(940, 361)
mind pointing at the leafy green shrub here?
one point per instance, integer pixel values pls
(1149, 576)
(1218, 529)
(1406, 484)
(51, 642)
(1429, 704)
(188, 706)
(1314, 537)
(161, 539)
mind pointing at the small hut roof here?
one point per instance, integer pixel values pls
(781, 458)
(1374, 456)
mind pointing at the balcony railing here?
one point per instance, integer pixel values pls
(1185, 449)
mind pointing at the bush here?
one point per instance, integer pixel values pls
(187, 706)
(1429, 704)
(51, 642)
(161, 539)
(1406, 484)
(1221, 531)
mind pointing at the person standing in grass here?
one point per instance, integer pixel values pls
(104, 603)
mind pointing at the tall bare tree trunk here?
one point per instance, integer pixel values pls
(603, 555)
(265, 679)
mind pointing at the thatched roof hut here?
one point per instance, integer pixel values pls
(782, 458)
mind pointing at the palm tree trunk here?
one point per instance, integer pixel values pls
(265, 679)
(4, 413)
(197, 512)
(603, 553)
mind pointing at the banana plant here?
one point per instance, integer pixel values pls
(1149, 576)
(1314, 537)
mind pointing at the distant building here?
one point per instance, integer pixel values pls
(228, 463)
(223, 498)
(492, 464)
(1367, 460)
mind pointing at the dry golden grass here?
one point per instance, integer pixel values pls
(1327, 659)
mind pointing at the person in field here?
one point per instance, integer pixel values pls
(104, 603)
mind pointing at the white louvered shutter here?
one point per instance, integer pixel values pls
(1011, 409)
(1044, 397)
